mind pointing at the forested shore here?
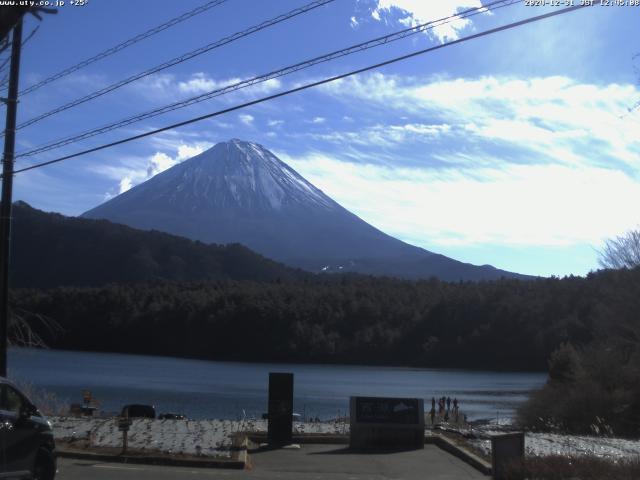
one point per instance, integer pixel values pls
(503, 325)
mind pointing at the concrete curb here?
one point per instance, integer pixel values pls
(463, 454)
(237, 461)
(318, 438)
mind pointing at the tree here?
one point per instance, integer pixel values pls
(622, 251)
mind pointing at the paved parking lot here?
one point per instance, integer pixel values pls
(310, 462)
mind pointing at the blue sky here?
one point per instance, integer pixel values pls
(516, 150)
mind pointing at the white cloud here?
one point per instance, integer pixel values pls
(555, 118)
(125, 184)
(353, 22)
(546, 161)
(199, 83)
(415, 12)
(318, 120)
(135, 170)
(267, 87)
(246, 118)
(275, 123)
(520, 205)
(158, 85)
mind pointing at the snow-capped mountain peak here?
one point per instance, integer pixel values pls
(244, 175)
(239, 191)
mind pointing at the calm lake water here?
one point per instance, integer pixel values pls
(205, 389)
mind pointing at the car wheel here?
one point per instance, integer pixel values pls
(45, 467)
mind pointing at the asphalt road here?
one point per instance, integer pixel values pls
(311, 462)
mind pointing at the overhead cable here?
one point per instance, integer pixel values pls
(177, 60)
(308, 85)
(267, 76)
(121, 46)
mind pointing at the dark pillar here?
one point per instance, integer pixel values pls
(507, 456)
(280, 408)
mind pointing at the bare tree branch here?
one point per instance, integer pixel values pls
(21, 332)
(622, 251)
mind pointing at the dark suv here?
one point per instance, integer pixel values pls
(138, 411)
(27, 449)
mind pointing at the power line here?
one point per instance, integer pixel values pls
(269, 76)
(125, 44)
(307, 86)
(177, 60)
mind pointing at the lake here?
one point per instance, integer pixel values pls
(206, 389)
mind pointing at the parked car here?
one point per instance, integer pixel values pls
(138, 411)
(26, 437)
(172, 416)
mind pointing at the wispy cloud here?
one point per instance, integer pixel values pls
(246, 118)
(201, 83)
(170, 86)
(384, 135)
(519, 205)
(553, 118)
(410, 13)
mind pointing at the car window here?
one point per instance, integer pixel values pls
(10, 399)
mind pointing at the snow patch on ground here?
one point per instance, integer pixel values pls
(545, 444)
(185, 437)
(213, 437)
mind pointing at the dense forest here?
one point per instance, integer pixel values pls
(50, 249)
(505, 324)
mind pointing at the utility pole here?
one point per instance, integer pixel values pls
(7, 191)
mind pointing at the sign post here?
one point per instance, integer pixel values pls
(123, 425)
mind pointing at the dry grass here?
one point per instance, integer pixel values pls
(47, 402)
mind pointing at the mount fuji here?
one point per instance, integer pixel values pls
(240, 192)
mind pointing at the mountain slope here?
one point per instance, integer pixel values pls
(240, 192)
(50, 250)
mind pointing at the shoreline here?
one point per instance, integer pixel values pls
(470, 368)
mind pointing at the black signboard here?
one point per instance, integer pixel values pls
(405, 411)
(280, 408)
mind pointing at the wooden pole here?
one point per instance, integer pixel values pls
(7, 192)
